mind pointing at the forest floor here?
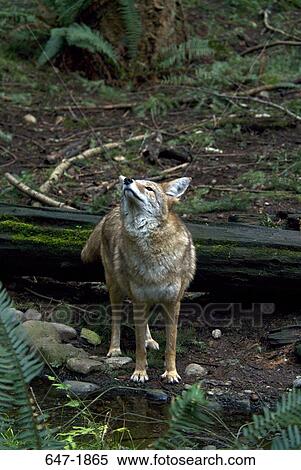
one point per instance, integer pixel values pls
(245, 163)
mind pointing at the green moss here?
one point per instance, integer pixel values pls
(232, 250)
(59, 238)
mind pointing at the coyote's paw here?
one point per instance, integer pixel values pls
(171, 376)
(114, 352)
(152, 344)
(139, 376)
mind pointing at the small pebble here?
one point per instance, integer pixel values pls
(32, 314)
(216, 334)
(30, 119)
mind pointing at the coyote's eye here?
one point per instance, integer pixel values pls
(149, 188)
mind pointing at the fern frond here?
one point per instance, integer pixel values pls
(53, 46)
(191, 422)
(287, 413)
(132, 24)
(80, 35)
(19, 364)
(188, 51)
(289, 439)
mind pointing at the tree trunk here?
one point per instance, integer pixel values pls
(162, 25)
(231, 258)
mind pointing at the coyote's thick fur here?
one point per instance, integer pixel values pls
(149, 257)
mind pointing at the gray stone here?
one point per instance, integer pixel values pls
(19, 316)
(209, 447)
(195, 371)
(46, 339)
(156, 394)
(32, 314)
(117, 362)
(41, 329)
(297, 382)
(66, 332)
(81, 388)
(90, 336)
(85, 365)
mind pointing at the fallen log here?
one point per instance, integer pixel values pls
(231, 257)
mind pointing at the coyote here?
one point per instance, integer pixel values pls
(148, 257)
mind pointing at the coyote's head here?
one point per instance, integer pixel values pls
(146, 204)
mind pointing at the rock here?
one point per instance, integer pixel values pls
(66, 332)
(81, 388)
(32, 314)
(30, 119)
(56, 354)
(297, 382)
(195, 371)
(216, 334)
(117, 362)
(156, 394)
(90, 336)
(38, 330)
(44, 336)
(17, 314)
(209, 447)
(84, 365)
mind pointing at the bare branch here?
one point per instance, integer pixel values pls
(35, 194)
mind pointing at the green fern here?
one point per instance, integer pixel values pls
(53, 46)
(289, 439)
(132, 24)
(83, 37)
(19, 364)
(286, 415)
(192, 424)
(188, 51)
(80, 36)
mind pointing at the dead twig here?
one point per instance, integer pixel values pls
(66, 163)
(261, 101)
(168, 171)
(276, 30)
(259, 89)
(280, 42)
(35, 194)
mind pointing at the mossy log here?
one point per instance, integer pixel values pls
(231, 257)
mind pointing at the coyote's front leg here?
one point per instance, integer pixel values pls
(140, 320)
(116, 310)
(171, 314)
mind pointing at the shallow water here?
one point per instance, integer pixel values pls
(140, 420)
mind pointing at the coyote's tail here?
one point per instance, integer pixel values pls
(91, 252)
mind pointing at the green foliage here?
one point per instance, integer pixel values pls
(79, 35)
(279, 428)
(253, 178)
(187, 51)
(19, 364)
(196, 204)
(156, 105)
(132, 24)
(192, 424)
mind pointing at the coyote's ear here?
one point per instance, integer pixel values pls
(176, 188)
(121, 179)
